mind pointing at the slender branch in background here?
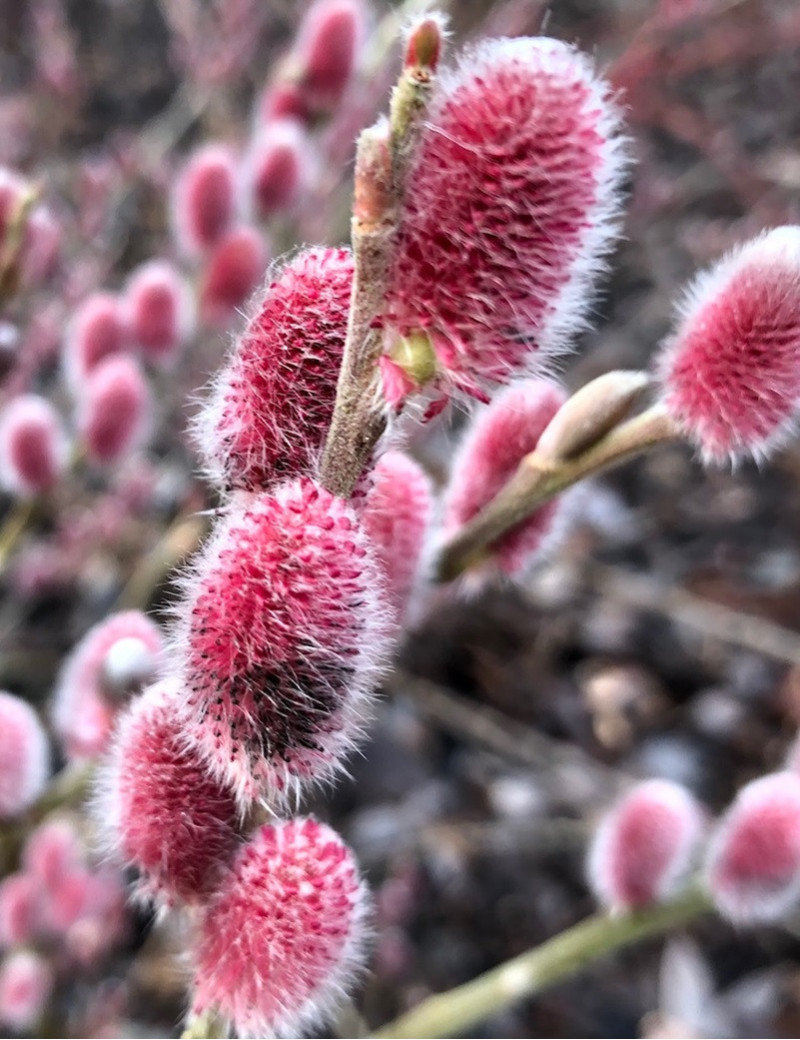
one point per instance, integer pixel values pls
(538, 480)
(67, 789)
(17, 519)
(505, 736)
(566, 954)
(685, 608)
(12, 242)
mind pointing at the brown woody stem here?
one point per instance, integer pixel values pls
(358, 418)
(536, 482)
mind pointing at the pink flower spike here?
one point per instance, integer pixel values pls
(26, 980)
(276, 167)
(396, 514)
(646, 845)
(730, 373)
(96, 332)
(204, 199)
(160, 310)
(283, 635)
(272, 403)
(115, 410)
(34, 450)
(498, 439)
(18, 909)
(753, 863)
(233, 270)
(510, 205)
(24, 756)
(116, 657)
(161, 809)
(328, 44)
(282, 940)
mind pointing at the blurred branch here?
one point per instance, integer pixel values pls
(453, 1012)
(712, 619)
(66, 790)
(16, 520)
(507, 737)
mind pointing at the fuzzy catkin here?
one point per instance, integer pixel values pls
(283, 634)
(510, 205)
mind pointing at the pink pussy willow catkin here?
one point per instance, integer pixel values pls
(281, 639)
(510, 204)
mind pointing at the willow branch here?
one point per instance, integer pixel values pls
(536, 481)
(457, 1010)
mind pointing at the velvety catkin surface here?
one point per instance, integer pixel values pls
(470, 834)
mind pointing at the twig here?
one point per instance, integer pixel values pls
(180, 540)
(453, 1012)
(18, 518)
(67, 788)
(508, 737)
(536, 482)
(712, 619)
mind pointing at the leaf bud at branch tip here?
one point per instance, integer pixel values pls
(424, 45)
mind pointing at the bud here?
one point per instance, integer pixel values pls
(396, 514)
(33, 446)
(730, 373)
(753, 864)
(115, 658)
(276, 166)
(115, 410)
(26, 980)
(204, 199)
(271, 406)
(423, 43)
(645, 846)
(162, 810)
(283, 636)
(591, 413)
(97, 330)
(18, 909)
(329, 40)
(160, 310)
(510, 204)
(283, 938)
(234, 268)
(24, 756)
(497, 441)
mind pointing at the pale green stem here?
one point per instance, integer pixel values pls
(453, 1012)
(536, 482)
